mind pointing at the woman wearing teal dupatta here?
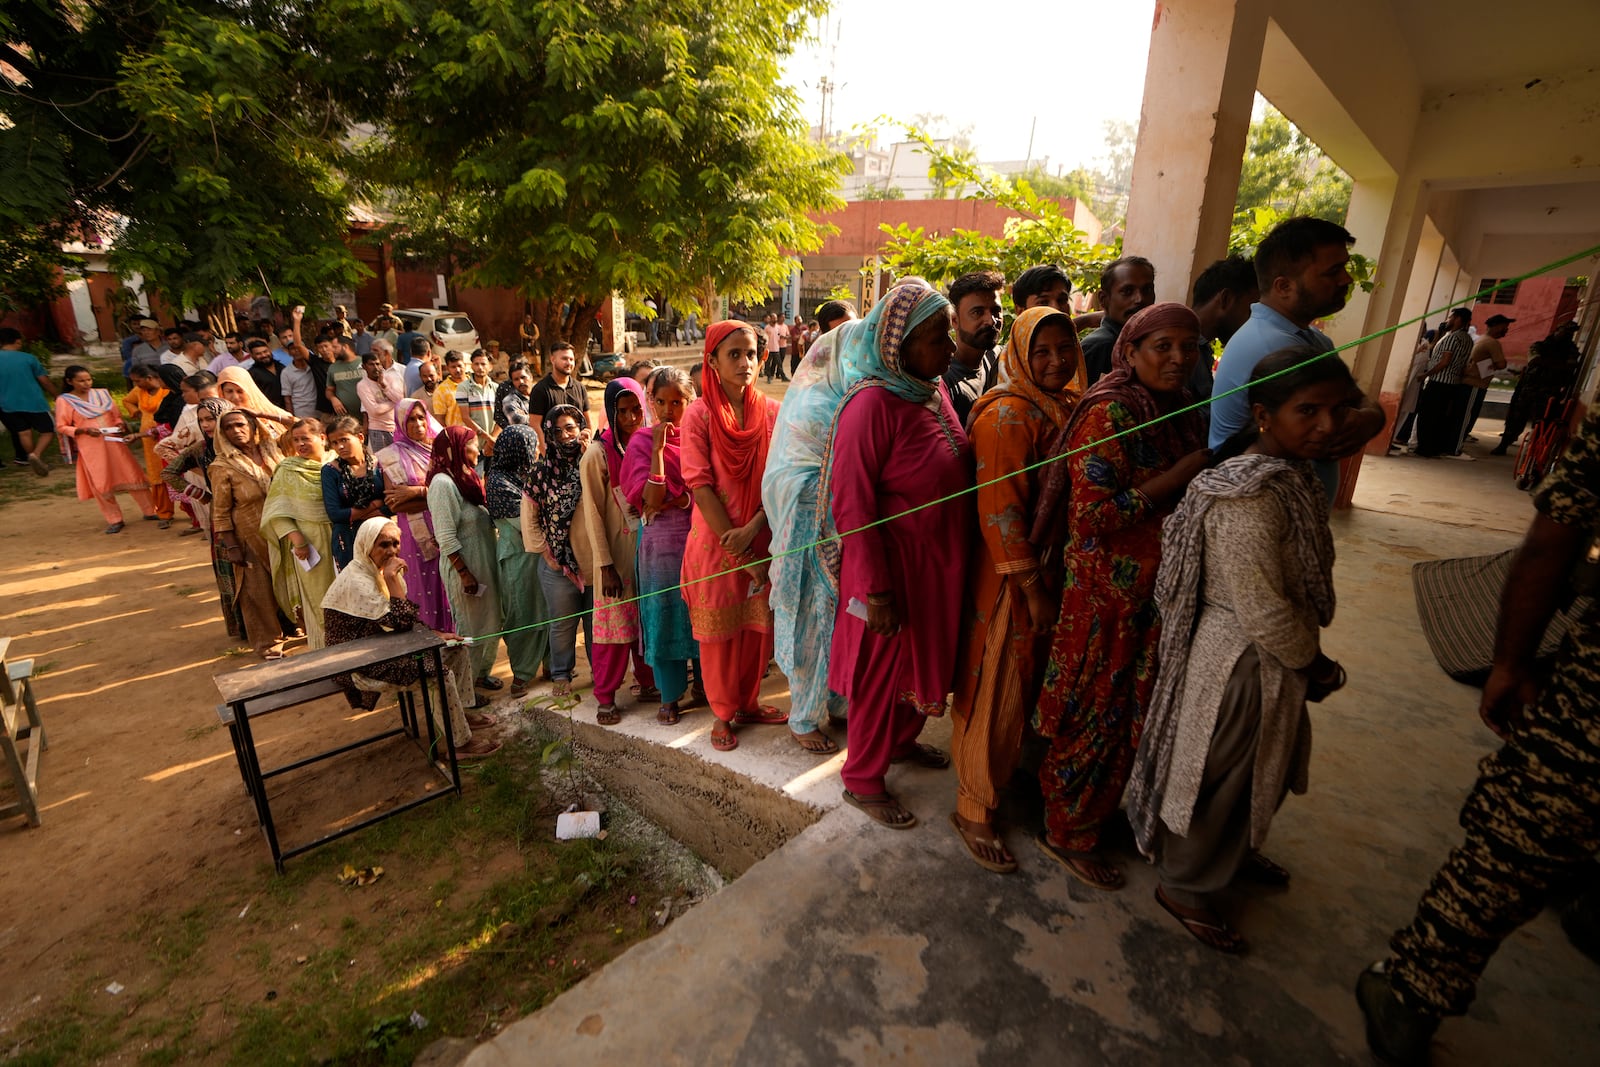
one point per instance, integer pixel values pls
(299, 532)
(804, 599)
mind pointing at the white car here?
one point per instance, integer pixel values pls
(446, 330)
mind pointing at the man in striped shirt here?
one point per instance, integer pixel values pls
(1443, 405)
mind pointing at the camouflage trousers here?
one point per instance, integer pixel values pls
(1532, 820)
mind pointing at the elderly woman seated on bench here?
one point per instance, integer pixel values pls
(369, 598)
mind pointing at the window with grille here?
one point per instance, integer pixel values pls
(1507, 295)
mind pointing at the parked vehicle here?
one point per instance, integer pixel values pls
(606, 366)
(446, 330)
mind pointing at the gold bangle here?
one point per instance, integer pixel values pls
(1031, 580)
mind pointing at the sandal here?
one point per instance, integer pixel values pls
(1207, 927)
(481, 721)
(164, 524)
(561, 689)
(270, 653)
(726, 742)
(489, 683)
(667, 715)
(934, 759)
(648, 694)
(815, 741)
(477, 748)
(115, 527)
(981, 848)
(1082, 866)
(1262, 871)
(764, 715)
(520, 687)
(882, 808)
(608, 715)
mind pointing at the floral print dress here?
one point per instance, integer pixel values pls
(1102, 665)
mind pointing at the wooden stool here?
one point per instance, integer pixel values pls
(20, 722)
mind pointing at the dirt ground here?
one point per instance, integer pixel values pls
(149, 852)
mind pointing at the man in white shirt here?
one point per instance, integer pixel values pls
(185, 356)
(392, 371)
(475, 400)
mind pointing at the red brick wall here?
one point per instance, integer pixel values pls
(1539, 305)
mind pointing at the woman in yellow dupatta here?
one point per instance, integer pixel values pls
(142, 405)
(1013, 590)
(300, 534)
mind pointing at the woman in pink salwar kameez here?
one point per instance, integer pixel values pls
(92, 437)
(897, 446)
(725, 437)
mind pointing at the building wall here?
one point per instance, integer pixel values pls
(1537, 308)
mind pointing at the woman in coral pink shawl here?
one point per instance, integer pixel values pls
(725, 437)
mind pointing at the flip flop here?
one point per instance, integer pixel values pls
(821, 744)
(977, 857)
(481, 721)
(935, 759)
(1211, 932)
(725, 742)
(879, 807)
(1071, 862)
(40, 467)
(668, 715)
(766, 715)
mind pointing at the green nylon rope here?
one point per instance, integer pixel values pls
(1585, 254)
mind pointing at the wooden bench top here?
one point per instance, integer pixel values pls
(279, 676)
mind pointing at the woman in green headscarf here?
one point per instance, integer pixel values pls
(299, 532)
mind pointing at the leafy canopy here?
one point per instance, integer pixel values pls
(198, 135)
(587, 146)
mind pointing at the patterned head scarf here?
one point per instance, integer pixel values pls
(743, 448)
(872, 347)
(216, 407)
(509, 468)
(415, 456)
(450, 460)
(1016, 373)
(556, 487)
(1173, 437)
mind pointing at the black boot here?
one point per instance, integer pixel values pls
(1396, 1034)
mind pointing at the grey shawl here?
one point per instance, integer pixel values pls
(1271, 585)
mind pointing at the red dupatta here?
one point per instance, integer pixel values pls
(742, 450)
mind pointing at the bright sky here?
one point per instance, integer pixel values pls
(902, 61)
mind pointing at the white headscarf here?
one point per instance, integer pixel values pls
(359, 589)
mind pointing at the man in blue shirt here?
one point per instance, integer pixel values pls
(1300, 267)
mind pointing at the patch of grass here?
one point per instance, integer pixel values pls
(186, 590)
(195, 733)
(480, 917)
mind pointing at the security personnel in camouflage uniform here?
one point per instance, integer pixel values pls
(1533, 818)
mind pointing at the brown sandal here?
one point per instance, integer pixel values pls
(667, 715)
(815, 741)
(607, 715)
(976, 846)
(1207, 927)
(882, 808)
(1078, 865)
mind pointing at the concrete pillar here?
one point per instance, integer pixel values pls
(1371, 205)
(1425, 265)
(1205, 56)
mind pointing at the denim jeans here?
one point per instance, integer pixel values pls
(564, 601)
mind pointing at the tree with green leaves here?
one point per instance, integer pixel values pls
(642, 146)
(1039, 232)
(1285, 170)
(197, 137)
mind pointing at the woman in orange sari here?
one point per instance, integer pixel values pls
(725, 437)
(1013, 588)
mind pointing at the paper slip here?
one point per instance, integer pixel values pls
(856, 608)
(1486, 368)
(311, 560)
